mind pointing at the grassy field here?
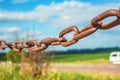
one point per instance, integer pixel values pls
(95, 58)
(16, 74)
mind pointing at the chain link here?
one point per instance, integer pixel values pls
(67, 30)
(105, 15)
(96, 23)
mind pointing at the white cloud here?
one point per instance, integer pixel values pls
(9, 33)
(13, 33)
(61, 14)
(30, 34)
(9, 29)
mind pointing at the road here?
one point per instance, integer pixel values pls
(91, 68)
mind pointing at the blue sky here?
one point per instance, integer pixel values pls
(38, 19)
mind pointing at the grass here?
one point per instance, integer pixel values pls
(95, 58)
(16, 74)
(86, 76)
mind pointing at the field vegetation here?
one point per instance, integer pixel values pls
(13, 66)
(16, 74)
(87, 58)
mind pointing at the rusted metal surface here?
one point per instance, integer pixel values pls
(95, 24)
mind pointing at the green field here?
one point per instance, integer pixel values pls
(12, 71)
(95, 58)
(16, 74)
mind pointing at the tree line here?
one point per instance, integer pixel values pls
(95, 50)
(77, 51)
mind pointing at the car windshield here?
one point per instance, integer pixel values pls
(114, 55)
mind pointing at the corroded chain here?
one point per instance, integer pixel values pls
(96, 23)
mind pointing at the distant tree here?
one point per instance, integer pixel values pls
(14, 56)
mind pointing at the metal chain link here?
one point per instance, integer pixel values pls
(96, 23)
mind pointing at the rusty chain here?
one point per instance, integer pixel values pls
(96, 23)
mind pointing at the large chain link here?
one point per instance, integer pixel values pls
(96, 23)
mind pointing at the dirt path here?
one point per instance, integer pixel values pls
(78, 67)
(91, 68)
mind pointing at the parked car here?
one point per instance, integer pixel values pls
(114, 57)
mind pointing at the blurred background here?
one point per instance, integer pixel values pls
(37, 19)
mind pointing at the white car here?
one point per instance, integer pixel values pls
(115, 57)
